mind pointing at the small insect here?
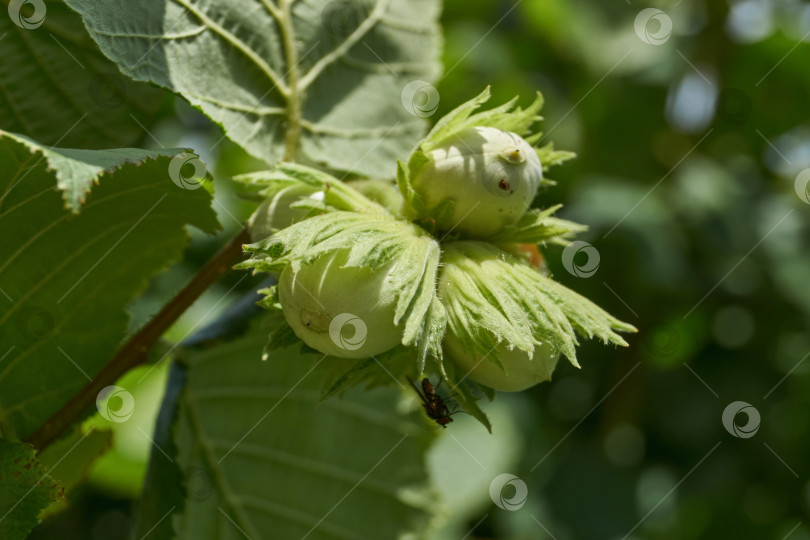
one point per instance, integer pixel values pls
(434, 404)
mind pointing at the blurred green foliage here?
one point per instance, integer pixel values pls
(689, 152)
(688, 156)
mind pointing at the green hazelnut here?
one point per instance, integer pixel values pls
(490, 176)
(520, 370)
(339, 310)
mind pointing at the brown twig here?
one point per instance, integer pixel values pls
(136, 350)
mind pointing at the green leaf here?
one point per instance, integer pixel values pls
(276, 463)
(507, 117)
(81, 232)
(324, 79)
(279, 334)
(57, 87)
(383, 192)
(336, 194)
(549, 157)
(467, 395)
(25, 489)
(540, 227)
(493, 297)
(450, 122)
(342, 374)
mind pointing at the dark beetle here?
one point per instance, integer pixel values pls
(434, 404)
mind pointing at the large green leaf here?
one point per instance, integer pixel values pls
(264, 459)
(25, 489)
(81, 233)
(56, 87)
(329, 79)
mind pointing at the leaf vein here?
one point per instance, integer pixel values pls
(300, 518)
(350, 41)
(67, 216)
(332, 471)
(238, 44)
(57, 84)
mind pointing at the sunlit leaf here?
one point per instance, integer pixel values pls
(326, 79)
